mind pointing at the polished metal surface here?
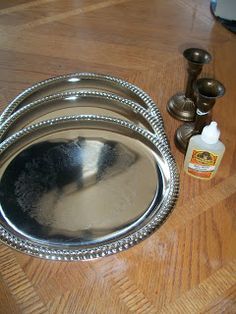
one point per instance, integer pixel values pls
(74, 103)
(83, 187)
(182, 136)
(207, 91)
(197, 56)
(181, 106)
(209, 88)
(82, 82)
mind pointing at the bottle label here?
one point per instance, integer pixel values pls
(202, 164)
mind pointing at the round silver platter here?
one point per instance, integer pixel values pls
(82, 102)
(83, 187)
(85, 82)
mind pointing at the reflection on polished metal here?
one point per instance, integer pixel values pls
(182, 105)
(207, 90)
(83, 82)
(82, 102)
(183, 134)
(83, 187)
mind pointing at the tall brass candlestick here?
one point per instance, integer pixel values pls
(207, 90)
(181, 106)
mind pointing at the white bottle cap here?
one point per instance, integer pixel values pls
(210, 133)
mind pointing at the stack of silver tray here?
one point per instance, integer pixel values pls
(85, 168)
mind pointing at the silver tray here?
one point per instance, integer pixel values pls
(85, 82)
(75, 103)
(83, 187)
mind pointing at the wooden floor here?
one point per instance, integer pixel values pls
(189, 264)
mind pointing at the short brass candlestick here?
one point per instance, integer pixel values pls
(207, 90)
(181, 106)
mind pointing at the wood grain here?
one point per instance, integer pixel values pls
(189, 264)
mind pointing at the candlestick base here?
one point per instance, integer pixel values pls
(182, 136)
(181, 108)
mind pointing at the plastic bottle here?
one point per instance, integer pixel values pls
(204, 153)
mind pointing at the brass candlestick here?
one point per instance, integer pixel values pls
(207, 90)
(181, 106)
